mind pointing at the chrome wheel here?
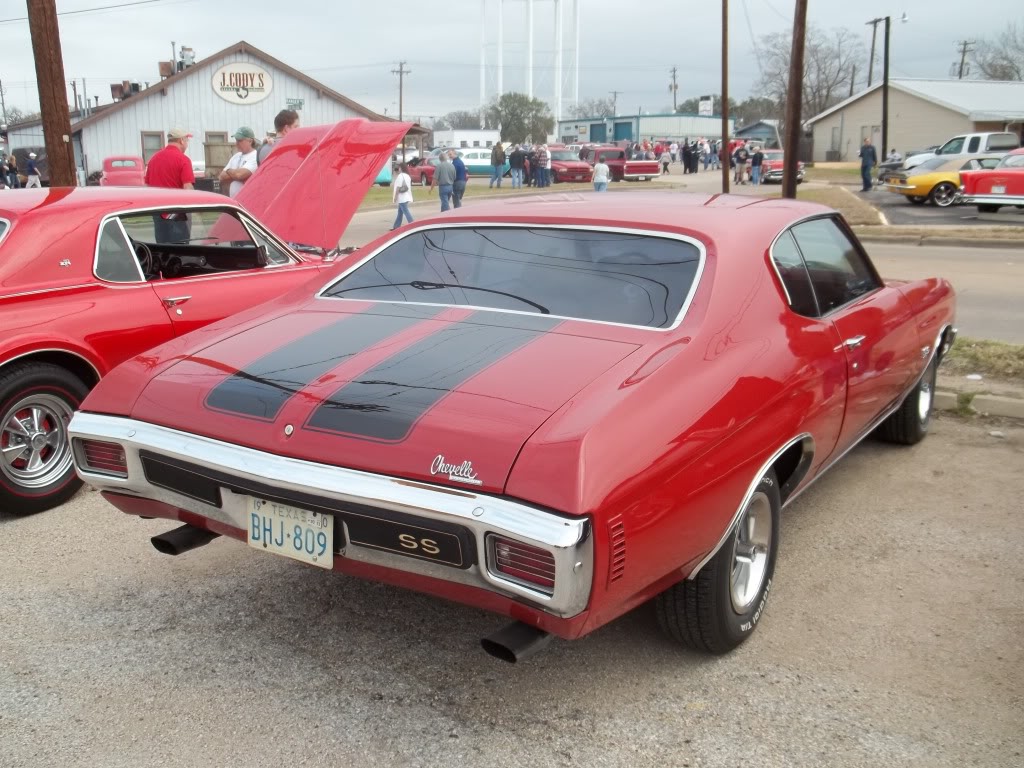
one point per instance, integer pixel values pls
(750, 547)
(943, 195)
(34, 448)
(924, 399)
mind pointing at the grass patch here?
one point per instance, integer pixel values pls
(841, 175)
(992, 359)
(995, 232)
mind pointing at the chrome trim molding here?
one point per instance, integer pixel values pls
(808, 441)
(701, 248)
(568, 538)
(992, 199)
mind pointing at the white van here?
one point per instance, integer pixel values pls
(969, 144)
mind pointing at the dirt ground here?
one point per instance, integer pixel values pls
(894, 637)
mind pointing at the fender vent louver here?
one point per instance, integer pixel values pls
(617, 544)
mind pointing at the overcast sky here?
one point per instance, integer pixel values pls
(352, 45)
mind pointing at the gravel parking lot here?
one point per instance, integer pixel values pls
(895, 637)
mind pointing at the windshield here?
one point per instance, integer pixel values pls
(564, 154)
(612, 277)
(1012, 161)
(773, 156)
(952, 147)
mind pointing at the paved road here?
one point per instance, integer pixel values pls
(894, 637)
(899, 211)
(989, 281)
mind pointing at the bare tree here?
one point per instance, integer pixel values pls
(460, 119)
(1002, 58)
(594, 108)
(830, 61)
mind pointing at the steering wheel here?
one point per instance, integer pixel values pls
(145, 257)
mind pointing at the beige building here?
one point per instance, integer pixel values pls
(921, 113)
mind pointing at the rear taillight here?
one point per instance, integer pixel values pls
(531, 566)
(105, 458)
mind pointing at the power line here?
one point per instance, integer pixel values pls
(965, 48)
(89, 10)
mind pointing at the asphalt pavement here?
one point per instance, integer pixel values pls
(898, 210)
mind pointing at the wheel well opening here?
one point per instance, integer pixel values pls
(69, 362)
(792, 465)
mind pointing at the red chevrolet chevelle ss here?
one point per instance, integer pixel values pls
(554, 409)
(91, 277)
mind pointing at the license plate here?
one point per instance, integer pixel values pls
(998, 190)
(292, 532)
(643, 178)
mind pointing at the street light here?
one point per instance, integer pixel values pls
(885, 82)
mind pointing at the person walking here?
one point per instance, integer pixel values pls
(755, 166)
(461, 178)
(401, 194)
(868, 160)
(517, 161)
(33, 179)
(497, 164)
(286, 120)
(444, 179)
(242, 164)
(601, 175)
(666, 159)
(12, 172)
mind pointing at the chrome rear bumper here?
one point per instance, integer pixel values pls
(569, 539)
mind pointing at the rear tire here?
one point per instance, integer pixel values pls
(943, 194)
(37, 401)
(719, 608)
(909, 423)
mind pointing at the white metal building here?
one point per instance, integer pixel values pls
(921, 113)
(638, 127)
(240, 85)
(466, 138)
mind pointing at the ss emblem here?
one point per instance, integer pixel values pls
(426, 546)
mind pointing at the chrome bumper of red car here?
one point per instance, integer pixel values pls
(989, 199)
(216, 480)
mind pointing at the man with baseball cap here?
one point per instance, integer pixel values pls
(242, 164)
(170, 168)
(33, 179)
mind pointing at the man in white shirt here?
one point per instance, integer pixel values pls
(242, 164)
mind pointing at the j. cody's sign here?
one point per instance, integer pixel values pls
(242, 83)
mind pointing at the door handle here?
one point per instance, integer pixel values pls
(854, 342)
(173, 301)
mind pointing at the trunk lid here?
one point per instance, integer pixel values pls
(308, 189)
(426, 393)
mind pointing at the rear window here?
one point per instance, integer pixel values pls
(123, 164)
(1012, 161)
(613, 277)
(563, 154)
(1000, 141)
(932, 164)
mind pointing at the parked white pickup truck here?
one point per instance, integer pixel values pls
(969, 144)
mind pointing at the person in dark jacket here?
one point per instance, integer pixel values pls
(517, 162)
(868, 160)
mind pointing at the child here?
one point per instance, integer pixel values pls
(666, 158)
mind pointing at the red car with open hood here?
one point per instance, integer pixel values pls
(90, 277)
(552, 408)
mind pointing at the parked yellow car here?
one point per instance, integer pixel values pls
(936, 180)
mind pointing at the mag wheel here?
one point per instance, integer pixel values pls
(37, 401)
(943, 194)
(721, 606)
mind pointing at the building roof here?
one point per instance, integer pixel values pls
(979, 100)
(239, 47)
(74, 114)
(773, 125)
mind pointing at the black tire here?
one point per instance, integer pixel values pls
(701, 613)
(942, 194)
(989, 208)
(918, 199)
(54, 394)
(909, 423)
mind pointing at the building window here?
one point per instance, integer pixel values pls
(836, 133)
(152, 142)
(463, 144)
(489, 143)
(476, 143)
(216, 137)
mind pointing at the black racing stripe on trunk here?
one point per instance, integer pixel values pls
(262, 388)
(386, 401)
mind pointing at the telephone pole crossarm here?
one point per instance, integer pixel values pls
(401, 72)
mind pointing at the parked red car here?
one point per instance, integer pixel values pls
(991, 189)
(567, 166)
(621, 168)
(772, 166)
(422, 170)
(123, 172)
(92, 276)
(551, 412)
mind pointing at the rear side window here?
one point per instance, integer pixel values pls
(115, 260)
(1002, 141)
(4, 226)
(614, 277)
(838, 271)
(794, 276)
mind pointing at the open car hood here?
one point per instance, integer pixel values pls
(308, 189)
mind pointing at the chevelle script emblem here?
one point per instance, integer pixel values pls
(460, 473)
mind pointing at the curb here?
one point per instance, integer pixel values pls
(982, 405)
(922, 240)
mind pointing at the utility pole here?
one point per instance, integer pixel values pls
(871, 61)
(964, 50)
(74, 90)
(53, 98)
(674, 88)
(3, 102)
(723, 150)
(615, 99)
(853, 79)
(885, 93)
(401, 72)
(794, 100)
